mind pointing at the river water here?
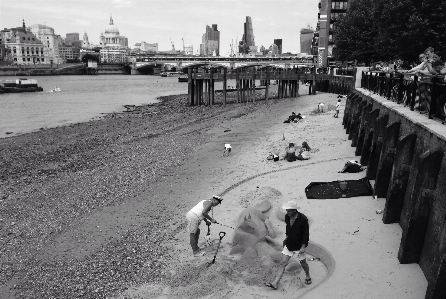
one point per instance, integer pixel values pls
(82, 98)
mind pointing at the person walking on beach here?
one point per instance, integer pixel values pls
(296, 241)
(338, 106)
(196, 215)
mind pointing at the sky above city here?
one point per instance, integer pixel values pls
(160, 21)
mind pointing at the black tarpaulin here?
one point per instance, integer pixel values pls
(350, 188)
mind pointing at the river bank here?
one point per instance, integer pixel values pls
(96, 209)
(55, 181)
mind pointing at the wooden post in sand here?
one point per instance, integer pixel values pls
(254, 85)
(279, 84)
(206, 88)
(211, 72)
(237, 84)
(197, 90)
(313, 79)
(266, 85)
(190, 86)
(225, 82)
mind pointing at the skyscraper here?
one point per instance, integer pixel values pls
(329, 12)
(210, 41)
(278, 43)
(306, 36)
(247, 44)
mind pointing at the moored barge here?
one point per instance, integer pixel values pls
(20, 85)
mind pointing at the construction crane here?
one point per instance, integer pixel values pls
(173, 47)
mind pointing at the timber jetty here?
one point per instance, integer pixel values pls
(202, 77)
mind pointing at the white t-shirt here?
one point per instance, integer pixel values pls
(338, 105)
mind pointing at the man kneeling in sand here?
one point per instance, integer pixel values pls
(194, 217)
(297, 237)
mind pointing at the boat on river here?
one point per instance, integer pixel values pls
(20, 85)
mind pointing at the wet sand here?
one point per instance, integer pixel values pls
(97, 209)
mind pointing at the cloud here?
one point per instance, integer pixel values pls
(82, 22)
(122, 3)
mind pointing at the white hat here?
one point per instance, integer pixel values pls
(291, 205)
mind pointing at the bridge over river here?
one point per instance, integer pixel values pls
(154, 65)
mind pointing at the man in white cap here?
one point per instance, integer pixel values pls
(196, 215)
(297, 237)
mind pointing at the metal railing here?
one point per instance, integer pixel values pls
(425, 94)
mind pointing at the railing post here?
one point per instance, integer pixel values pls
(389, 87)
(414, 93)
(400, 88)
(431, 105)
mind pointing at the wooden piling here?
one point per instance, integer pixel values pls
(190, 86)
(225, 82)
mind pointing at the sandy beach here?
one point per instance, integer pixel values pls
(97, 210)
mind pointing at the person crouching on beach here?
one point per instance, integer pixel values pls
(196, 215)
(296, 241)
(304, 152)
(290, 154)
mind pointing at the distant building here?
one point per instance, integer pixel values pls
(329, 12)
(85, 42)
(278, 43)
(111, 37)
(22, 47)
(247, 44)
(49, 39)
(146, 47)
(188, 49)
(69, 53)
(273, 49)
(210, 41)
(71, 38)
(114, 47)
(306, 37)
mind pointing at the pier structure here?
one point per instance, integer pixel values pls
(202, 78)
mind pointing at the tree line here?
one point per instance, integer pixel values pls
(383, 30)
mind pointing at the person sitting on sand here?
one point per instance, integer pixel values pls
(290, 154)
(304, 152)
(196, 215)
(296, 241)
(291, 118)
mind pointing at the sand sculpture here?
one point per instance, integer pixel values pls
(248, 261)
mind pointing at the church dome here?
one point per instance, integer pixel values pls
(112, 30)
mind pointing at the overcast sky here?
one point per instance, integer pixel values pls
(158, 21)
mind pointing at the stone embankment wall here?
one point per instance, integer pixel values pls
(405, 155)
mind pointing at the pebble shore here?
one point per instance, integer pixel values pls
(53, 181)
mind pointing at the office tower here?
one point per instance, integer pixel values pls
(306, 37)
(329, 11)
(278, 43)
(210, 41)
(247, 44)
(70, 38)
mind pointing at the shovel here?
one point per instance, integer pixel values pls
(221, 234)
